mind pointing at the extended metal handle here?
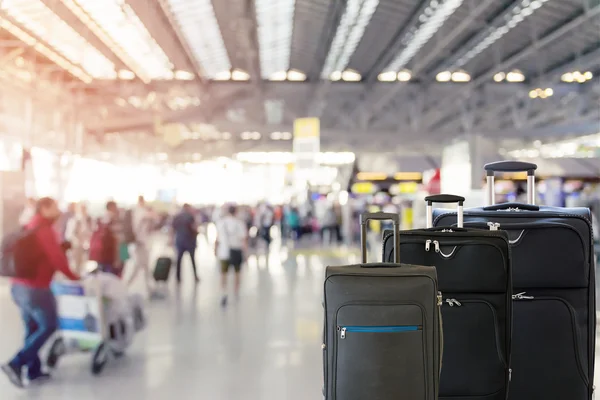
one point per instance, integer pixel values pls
(445, 198)
(379, 216)
(510, 166)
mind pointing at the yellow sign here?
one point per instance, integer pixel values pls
(363, 188)
(307, 128)
(408, 187)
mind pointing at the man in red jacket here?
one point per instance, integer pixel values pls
(34, 298)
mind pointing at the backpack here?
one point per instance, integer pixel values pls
(20, 254)
(103, 244)
(128, 230)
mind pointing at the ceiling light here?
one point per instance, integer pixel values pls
(199, 27)
(125, 74)
(70, 50)
(404, 75)
(276, 135)
(181, 75)
(239, 75)
(286, 135)
(336, 75)
(548, 92)
(119, 27)
(535, 4)
(515, 76)
(19, 61)
(121, 102)
(588, 75)
(567, 77)
(350, 75)
(246, 135)
(430, 25)
(533, 94)
(388, 76)
(255, 135)
(461, 76)
(222, 76)
(275, 23)
(444, 76)
(296, 76)
(226, 135)
(278, 76)
(499, 77)
(348, 34)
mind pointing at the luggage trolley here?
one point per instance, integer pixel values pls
(82, 325)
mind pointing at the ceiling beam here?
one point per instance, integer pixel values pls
(379, 102)
(74, 22)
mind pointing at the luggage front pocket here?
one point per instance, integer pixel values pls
(547, 359)
(473, 362)
(380, 353)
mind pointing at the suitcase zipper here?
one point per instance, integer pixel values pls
(377, 329)
(575, 327)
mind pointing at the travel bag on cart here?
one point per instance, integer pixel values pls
(382, 336)
(554, 312)
(474, 275)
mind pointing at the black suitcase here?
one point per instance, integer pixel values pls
(382, 335)
(474, 274)
(554, 312)
(162, 269)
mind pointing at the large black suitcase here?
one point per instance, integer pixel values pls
(554, 312)
(474, 274)
(382, 336)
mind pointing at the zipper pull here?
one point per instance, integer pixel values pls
(450, 302)
(458, 303)
(521, 296)
(493, 226)
(440, 300)
(510, 374)
(343, 333)
(427, 244)
(437, 246)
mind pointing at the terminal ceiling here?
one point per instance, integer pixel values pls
(382, 75)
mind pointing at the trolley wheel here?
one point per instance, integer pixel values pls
(99, 359)
(57, 350)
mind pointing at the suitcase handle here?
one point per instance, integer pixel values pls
(510, 166)
(445, 198)
(379, 216)
(506, 206)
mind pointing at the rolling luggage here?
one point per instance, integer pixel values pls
(382, 336)
(162, 269)
(474, 275)
(554, 312)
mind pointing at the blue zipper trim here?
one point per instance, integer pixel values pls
(382, 329)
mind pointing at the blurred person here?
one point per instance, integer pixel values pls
(186, 237)
(328, 225)
(28, 212)
(143, 222)
(106, 240)
(230, 246)
(64, 219)
(265, 220)
(293, 223)
(78, 234)
(33, 296)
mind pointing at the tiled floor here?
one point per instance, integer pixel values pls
(265, 347)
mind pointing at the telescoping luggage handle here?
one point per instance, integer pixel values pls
(445, 198)
(379, 216)
(510, 166)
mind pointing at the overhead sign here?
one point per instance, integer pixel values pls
(307, 145)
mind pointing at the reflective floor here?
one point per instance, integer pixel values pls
(266, 346)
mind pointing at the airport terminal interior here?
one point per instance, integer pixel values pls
(184, 172)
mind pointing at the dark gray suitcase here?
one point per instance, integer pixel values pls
(554, 311)
(382, 336)
(474, 274)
